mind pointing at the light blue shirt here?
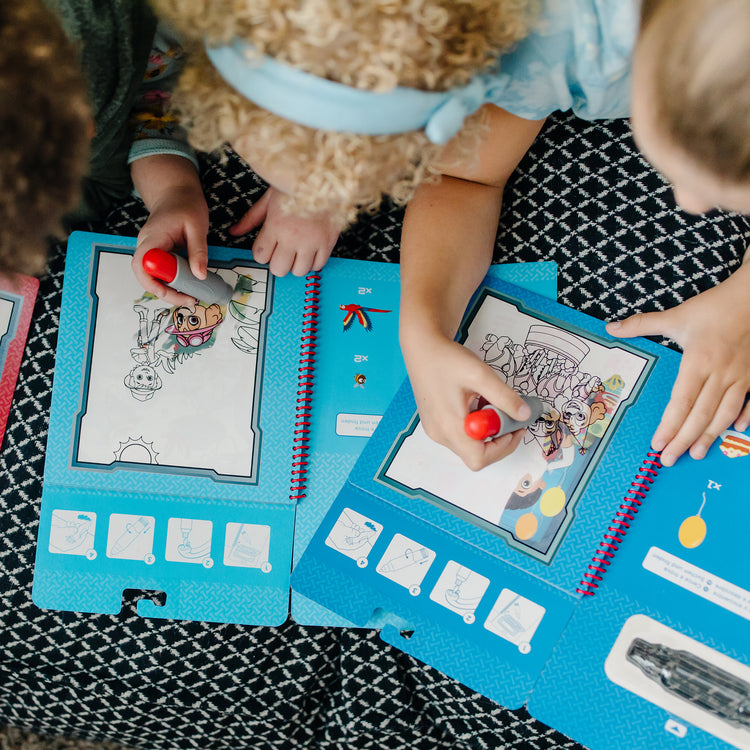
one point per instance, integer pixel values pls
(578, 56)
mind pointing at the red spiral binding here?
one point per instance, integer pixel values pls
(619, 526)
(305, 379)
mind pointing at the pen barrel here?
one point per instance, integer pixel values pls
(490, 422)
(211, 289)
(508, 424)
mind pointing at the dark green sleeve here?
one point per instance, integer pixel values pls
(115, 39)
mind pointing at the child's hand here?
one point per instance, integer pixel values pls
(287, 242)
(713, 330)
(178, 219)
(446, 377)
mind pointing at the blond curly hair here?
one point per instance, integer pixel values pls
(700, 76)
(376, 45)
(44, 143)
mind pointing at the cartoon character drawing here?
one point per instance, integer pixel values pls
(577, 416)
(194, 326)
(548, 365)
(143, 381)
(547, 431)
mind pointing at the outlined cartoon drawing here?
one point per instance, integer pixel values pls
(136, 450)
(248, 315)
(164, 347)
(143, 380)
(194, 326)
(548, 365)
(172, 405)
(360, 314)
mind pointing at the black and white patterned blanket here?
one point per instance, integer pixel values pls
(582, 197)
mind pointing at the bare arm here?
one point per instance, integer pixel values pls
(447, 243)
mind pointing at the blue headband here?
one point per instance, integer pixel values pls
(326, 105)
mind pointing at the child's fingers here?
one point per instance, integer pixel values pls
(305, 261)
(487, 383)
(254, 216)
(695, 421)
(743, 421)
(641, 324)
(264, 245)
(493, 450)
(282, 259)
(724, 415)
(685, 392)
(197, 247)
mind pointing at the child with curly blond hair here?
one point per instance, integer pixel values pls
(434, 103)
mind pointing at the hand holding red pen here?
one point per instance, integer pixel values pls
(445, 383)
(178, 219)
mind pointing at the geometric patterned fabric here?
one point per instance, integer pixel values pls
(582, 197)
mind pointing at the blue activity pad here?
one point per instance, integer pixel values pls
(191, 449)
(577, 574)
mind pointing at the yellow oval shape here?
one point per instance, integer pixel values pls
(552, 501)
(692, 532)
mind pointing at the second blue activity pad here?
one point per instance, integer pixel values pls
(477, 573)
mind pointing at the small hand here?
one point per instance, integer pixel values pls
(713, 330)
(446, 377)
(177, 220)
(288, 242)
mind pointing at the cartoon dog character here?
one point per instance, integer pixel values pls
(194, 326)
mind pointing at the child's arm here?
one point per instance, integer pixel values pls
(178, 217)
(713, 330)
(446, 248)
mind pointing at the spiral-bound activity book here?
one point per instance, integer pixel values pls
(192, 449)
(17, 297)
(518, 579)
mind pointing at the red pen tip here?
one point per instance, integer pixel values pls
(160, 264)
(482, 424)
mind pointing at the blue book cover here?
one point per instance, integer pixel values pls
(659, 652)
(358, 368)
(191, 450)
(478, 573)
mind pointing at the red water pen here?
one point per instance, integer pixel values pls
(490, 422)
(175, 272)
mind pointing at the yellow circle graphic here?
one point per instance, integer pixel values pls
(526, 526)
(692, 531)
(552, 502)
